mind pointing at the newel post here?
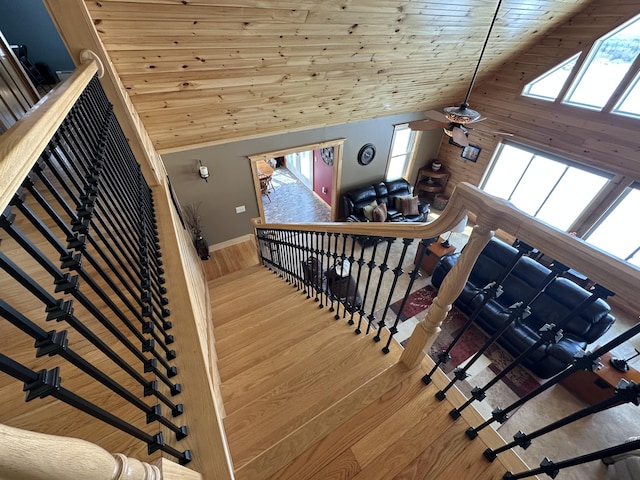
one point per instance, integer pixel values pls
(428, 329)
(26, 455)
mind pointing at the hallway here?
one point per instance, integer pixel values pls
(289, 201)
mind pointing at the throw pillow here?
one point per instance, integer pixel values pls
(398, 204)
(380, 213)
(368, 210)
(410, 206)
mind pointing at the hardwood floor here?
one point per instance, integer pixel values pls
(308, 399)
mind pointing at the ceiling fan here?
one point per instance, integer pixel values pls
(455, 120)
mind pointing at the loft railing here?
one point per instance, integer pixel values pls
(328, 263)
(81, 271)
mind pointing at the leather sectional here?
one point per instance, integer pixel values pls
(559, 298)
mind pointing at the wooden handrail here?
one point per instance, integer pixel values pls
(492, 213)
(38, 456)
(22, 144)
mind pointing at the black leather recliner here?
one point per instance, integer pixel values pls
(383, 192)
(558, 299)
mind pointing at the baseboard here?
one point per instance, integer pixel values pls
(229, 243)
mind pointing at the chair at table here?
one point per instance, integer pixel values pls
(265, 181)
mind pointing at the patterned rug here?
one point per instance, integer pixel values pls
(520, 381)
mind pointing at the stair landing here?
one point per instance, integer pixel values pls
(306, 398)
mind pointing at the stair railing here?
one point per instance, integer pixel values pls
(285, 247)
(80, 245)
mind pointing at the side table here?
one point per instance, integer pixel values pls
(434, 252)
(593, 387)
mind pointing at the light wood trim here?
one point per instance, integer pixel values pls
(428, 329)
(337, 144)
(229, 243)
(172, 471)
(195, 345)
(78, 33)
(38, 456)
(22, 144)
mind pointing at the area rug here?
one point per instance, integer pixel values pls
(520, 381)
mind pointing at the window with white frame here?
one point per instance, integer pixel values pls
(618, 231)
(402, 145)
(602, 74)
(550, 188)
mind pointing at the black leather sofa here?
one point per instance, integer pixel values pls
(560, 297)
(355, 200)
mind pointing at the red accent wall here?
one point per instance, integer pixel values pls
(322, 177)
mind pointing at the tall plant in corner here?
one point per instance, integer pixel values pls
(194, 222)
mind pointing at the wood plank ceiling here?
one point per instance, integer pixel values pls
(205, 72)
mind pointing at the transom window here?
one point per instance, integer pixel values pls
(603, 74)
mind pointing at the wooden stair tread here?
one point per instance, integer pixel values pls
(260, 424)
(275, 370)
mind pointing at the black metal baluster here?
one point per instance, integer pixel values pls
(55, 343)
(352, 306)
(415, 273)
(48, 382)
(343, 257)
(322, 255)
(491, 291)
(582, 361)
(383, 269)
(549, 333)
(333, 261)
(370, 265)
(397, 272)
(74, 262)
(69, 285)
(361, 263)
(625, 392)
(518, 311)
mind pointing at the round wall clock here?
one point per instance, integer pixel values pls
(327, 155)
(366, 154)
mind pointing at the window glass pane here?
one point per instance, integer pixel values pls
(630, 101)
(548, 86)
(403, 142)
(570, 197)
(548, 188)
(536, 183)
(506, 172)
(619, 232)
(607, 65)
(396, 167)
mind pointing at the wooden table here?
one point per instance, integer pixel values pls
(434, 252)
(593, 387)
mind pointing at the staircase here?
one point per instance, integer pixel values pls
(306, 398)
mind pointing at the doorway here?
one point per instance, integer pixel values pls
(317, 166)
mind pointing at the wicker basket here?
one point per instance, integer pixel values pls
(440, 202)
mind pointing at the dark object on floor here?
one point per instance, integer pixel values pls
(202, 247)
(337, 282)
(558, 299)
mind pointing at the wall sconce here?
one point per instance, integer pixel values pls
(203, 171)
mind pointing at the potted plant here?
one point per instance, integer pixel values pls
(193, 221)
